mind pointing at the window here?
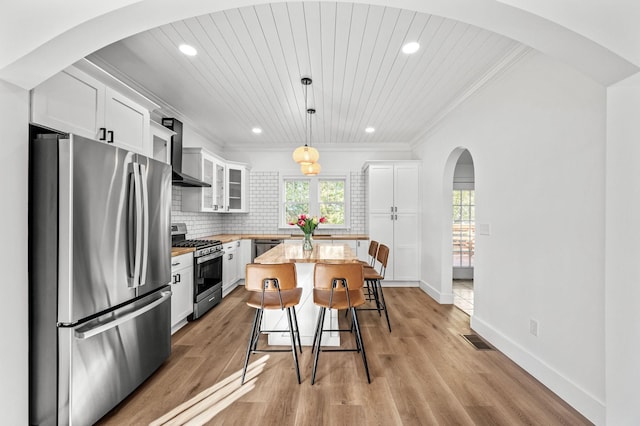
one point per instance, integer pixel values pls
(317, 196)
(463, 227)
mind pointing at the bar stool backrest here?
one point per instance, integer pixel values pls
(264, 277)
(383, 258)
(338, 276)
(373, 252)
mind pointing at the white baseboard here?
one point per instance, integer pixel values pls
(588, 405)
(442, 298)
(386, 283)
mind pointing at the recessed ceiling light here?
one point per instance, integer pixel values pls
(188, 50)
(411, 47)
(369, 130)
(256, 130)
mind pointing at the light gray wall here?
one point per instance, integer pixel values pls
(537, 138)
(14, 114)
(622, 294)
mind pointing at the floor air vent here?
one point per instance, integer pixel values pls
(477, 342)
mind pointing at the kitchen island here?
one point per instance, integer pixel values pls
(306, 311)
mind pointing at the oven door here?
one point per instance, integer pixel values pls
(207, 284)
(207, 273)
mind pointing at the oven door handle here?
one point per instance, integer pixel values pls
(209, 257)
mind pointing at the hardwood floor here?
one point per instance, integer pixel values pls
(423, 372)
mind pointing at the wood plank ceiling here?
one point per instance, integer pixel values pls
(250, 61)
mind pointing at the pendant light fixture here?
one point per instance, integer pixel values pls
(310, 169)
(306, 155)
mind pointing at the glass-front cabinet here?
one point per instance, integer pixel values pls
(236, 199)
(228, 180)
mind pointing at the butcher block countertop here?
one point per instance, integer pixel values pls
(177, 251)
(293, 253)
(227, 238)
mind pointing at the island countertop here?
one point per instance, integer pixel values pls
(293, 253)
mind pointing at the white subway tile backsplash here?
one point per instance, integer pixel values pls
(262, 217)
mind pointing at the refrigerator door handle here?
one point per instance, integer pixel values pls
(131, 209)
(138, 224)
(144, 223)
(122, 319)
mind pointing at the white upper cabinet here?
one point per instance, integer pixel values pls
(236, 195)
(228, 191)
(70, 101)
(74, 101)
(161, 142)
(126, 123)
(200, 164)
(393, 215)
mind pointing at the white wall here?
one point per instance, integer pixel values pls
(623, 253)
(13, 252)
(537, 138)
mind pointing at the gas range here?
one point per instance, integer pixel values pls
(207, 269)
(203, 247)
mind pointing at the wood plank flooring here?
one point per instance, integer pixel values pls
(422, 373)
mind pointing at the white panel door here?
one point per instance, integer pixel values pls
(406, 226)
(405, 254)
(380, 188)
(406, 184)
(381, 230)
(70, 101)
(129, 123)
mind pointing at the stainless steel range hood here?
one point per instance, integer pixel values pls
(179, 178)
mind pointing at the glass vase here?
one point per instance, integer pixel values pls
(307, 243)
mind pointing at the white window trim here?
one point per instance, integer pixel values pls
(313, 195)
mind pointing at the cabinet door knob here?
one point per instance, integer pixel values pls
(110, 133)
(103, 133)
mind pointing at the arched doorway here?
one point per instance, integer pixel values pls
(463, 232)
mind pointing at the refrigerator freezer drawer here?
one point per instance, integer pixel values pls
(117, 351)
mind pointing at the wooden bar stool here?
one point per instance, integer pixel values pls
(338, 286)
(272, 287)
(374, 280)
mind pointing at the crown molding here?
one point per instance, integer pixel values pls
(343, 147)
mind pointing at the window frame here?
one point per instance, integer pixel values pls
(314, 199)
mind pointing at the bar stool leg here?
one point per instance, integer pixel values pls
(251, 344)
(315, 335)
(295, 321)
(359, 343)
(384, 305)
(315, 361)
(294, 350)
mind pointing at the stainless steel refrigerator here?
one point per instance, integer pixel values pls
(99, 269)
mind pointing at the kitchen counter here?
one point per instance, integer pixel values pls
(177, 251)
(227, 238)
(293, 253)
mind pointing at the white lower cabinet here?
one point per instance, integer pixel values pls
(229, 267)
(244, 257)
(182, 290)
